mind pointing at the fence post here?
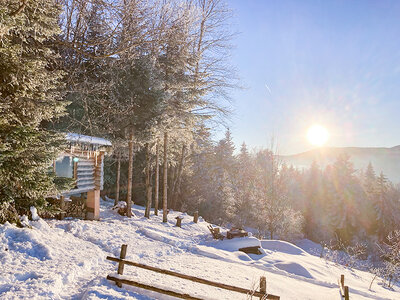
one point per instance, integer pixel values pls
(196, 217)
(342, 280)
(179, 222)
(122, 255)
(346, 293)
(263, 286)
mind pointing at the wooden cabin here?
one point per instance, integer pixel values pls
(83, 160)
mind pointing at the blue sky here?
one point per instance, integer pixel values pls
(335, 63)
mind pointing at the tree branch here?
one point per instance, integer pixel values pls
(20, 8)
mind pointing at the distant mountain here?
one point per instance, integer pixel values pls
(386, 160)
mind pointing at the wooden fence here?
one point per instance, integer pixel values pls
(262, 293)
(344, 289)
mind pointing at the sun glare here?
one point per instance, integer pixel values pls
(317, 135)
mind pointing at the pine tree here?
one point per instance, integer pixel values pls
(223, 170)
(224, 153)
(29, 94)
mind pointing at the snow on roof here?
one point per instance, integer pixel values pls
(75, 137)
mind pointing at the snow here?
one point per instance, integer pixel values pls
(24, 220)
(35, 216)
(79, 138)
(236, 244)
(282, 246)
(53, 259)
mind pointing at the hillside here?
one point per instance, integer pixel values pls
(386, 160)
(67, 260)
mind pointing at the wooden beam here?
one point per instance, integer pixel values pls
(152, 288)
(195, 279)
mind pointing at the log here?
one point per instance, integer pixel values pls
(194, 279)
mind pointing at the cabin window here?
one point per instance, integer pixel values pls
(65, 167)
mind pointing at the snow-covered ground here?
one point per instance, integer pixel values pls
(67, 260)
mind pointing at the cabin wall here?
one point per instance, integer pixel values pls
(86, 174)
(89, 174)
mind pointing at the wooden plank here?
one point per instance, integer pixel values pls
(152, 288)
(194, 279)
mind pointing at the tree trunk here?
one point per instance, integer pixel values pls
(156, 189)
(118, 178)
(171, 179)
(178, 179)
(130, 177)
(165, 179)
(148, 183)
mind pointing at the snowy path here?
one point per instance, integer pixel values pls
(66, 260)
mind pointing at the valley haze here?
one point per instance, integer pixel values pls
(386, 160)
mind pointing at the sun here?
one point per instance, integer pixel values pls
(317, 135)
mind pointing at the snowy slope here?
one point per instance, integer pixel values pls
(66, 260)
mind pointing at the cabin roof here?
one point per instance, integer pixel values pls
(86, 139)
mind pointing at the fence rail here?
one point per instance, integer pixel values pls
(262, 294)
